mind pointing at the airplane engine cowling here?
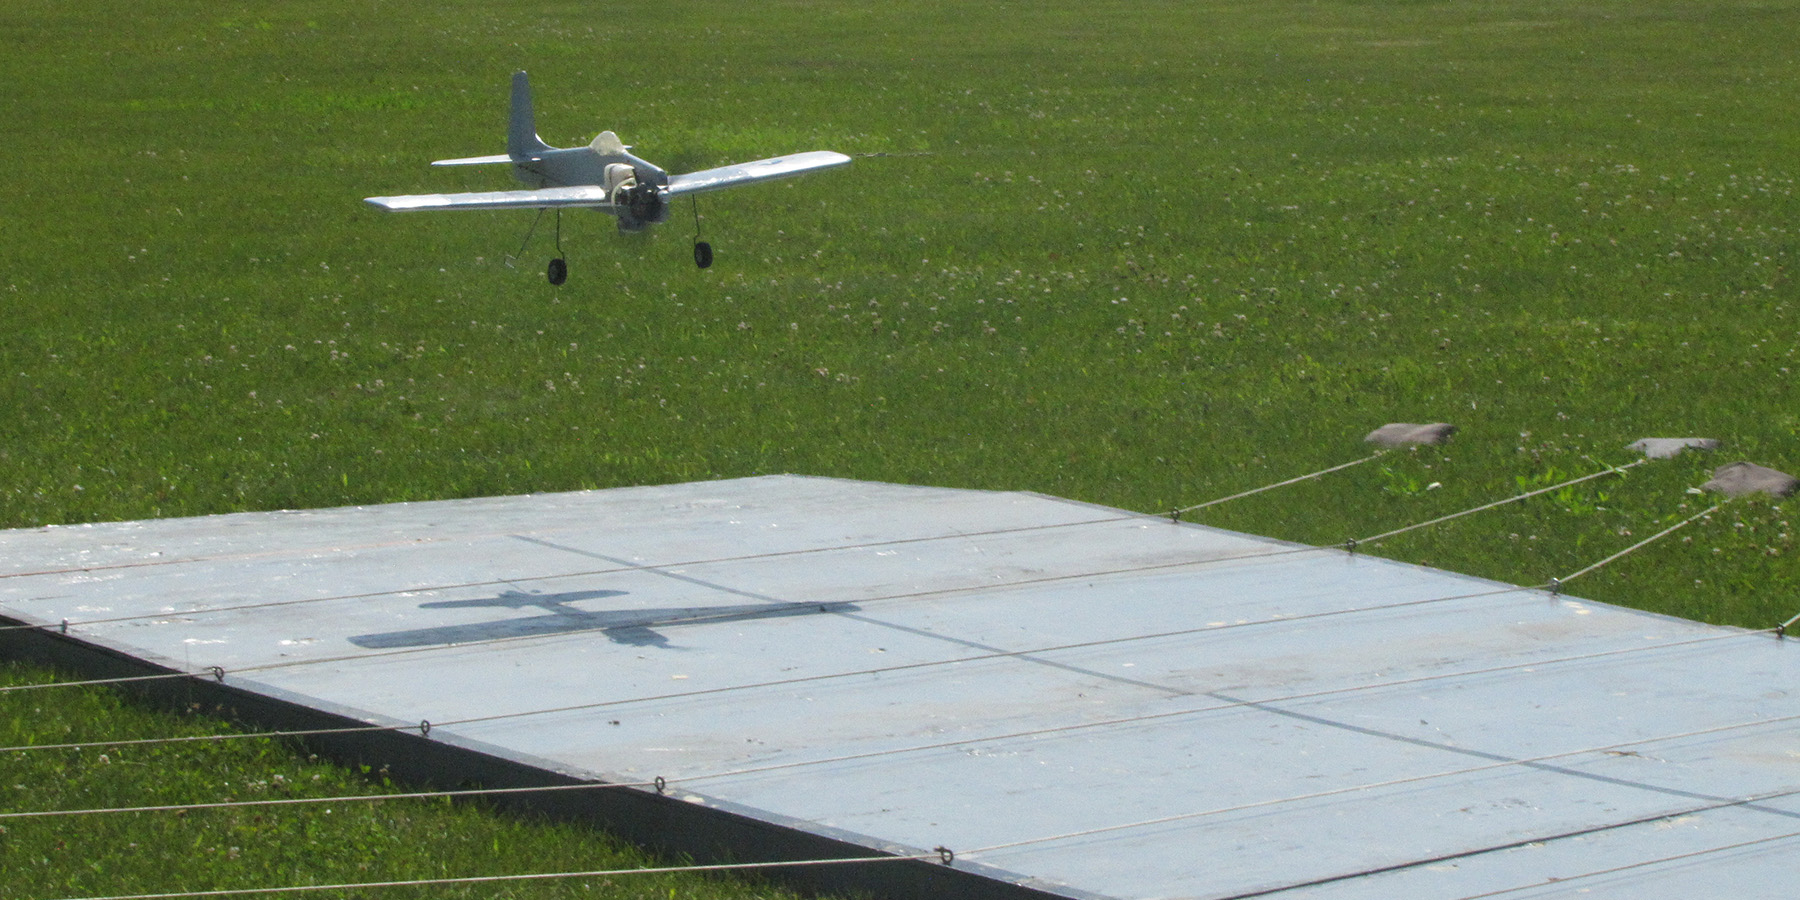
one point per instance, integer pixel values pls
(646, 204)
(638, 202)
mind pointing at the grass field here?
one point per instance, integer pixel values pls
(1142, 254)
(342, 842)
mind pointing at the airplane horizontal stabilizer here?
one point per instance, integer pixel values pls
(751, 172)
(473, 160)
(545, 198)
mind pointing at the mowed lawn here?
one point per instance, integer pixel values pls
(1140, 254)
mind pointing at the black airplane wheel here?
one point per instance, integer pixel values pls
(558, 272)
(703, 254)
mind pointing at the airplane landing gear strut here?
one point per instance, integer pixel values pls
(702, 250)
(558, 270)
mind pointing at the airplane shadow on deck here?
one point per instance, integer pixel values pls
(634, 627)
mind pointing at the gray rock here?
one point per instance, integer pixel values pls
(1740, 478)
(1406, 434)
(1663, 448)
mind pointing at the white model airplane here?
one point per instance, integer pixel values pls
(603, 175)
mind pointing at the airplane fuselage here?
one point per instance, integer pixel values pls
(635, 187)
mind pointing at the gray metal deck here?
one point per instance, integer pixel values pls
(1117, 705)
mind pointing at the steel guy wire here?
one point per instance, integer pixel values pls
(1557, 584)
(1783, 627)
(536, 876)
(100, 682)
(1269, 487)
(1487, 506)
(1413, 779)
(342, 799)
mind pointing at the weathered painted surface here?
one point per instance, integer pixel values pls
(914, 667)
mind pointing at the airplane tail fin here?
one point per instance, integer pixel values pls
(522, 141)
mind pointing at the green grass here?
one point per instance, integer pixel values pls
(1131, 253)
(224, 849)
(1141, 254)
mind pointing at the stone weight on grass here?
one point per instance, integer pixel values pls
(1406, 434)
(1740, 478)
(1664, 448)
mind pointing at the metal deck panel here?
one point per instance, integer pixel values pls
(927, 666)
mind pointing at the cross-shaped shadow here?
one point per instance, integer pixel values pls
(623, 626)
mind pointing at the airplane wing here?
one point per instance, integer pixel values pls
(751, 172)
(543, 198)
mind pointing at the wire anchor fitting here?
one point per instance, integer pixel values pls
(660, 785)
(946, 855)
(218, 674)
(424, 728)
(1781, 630)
